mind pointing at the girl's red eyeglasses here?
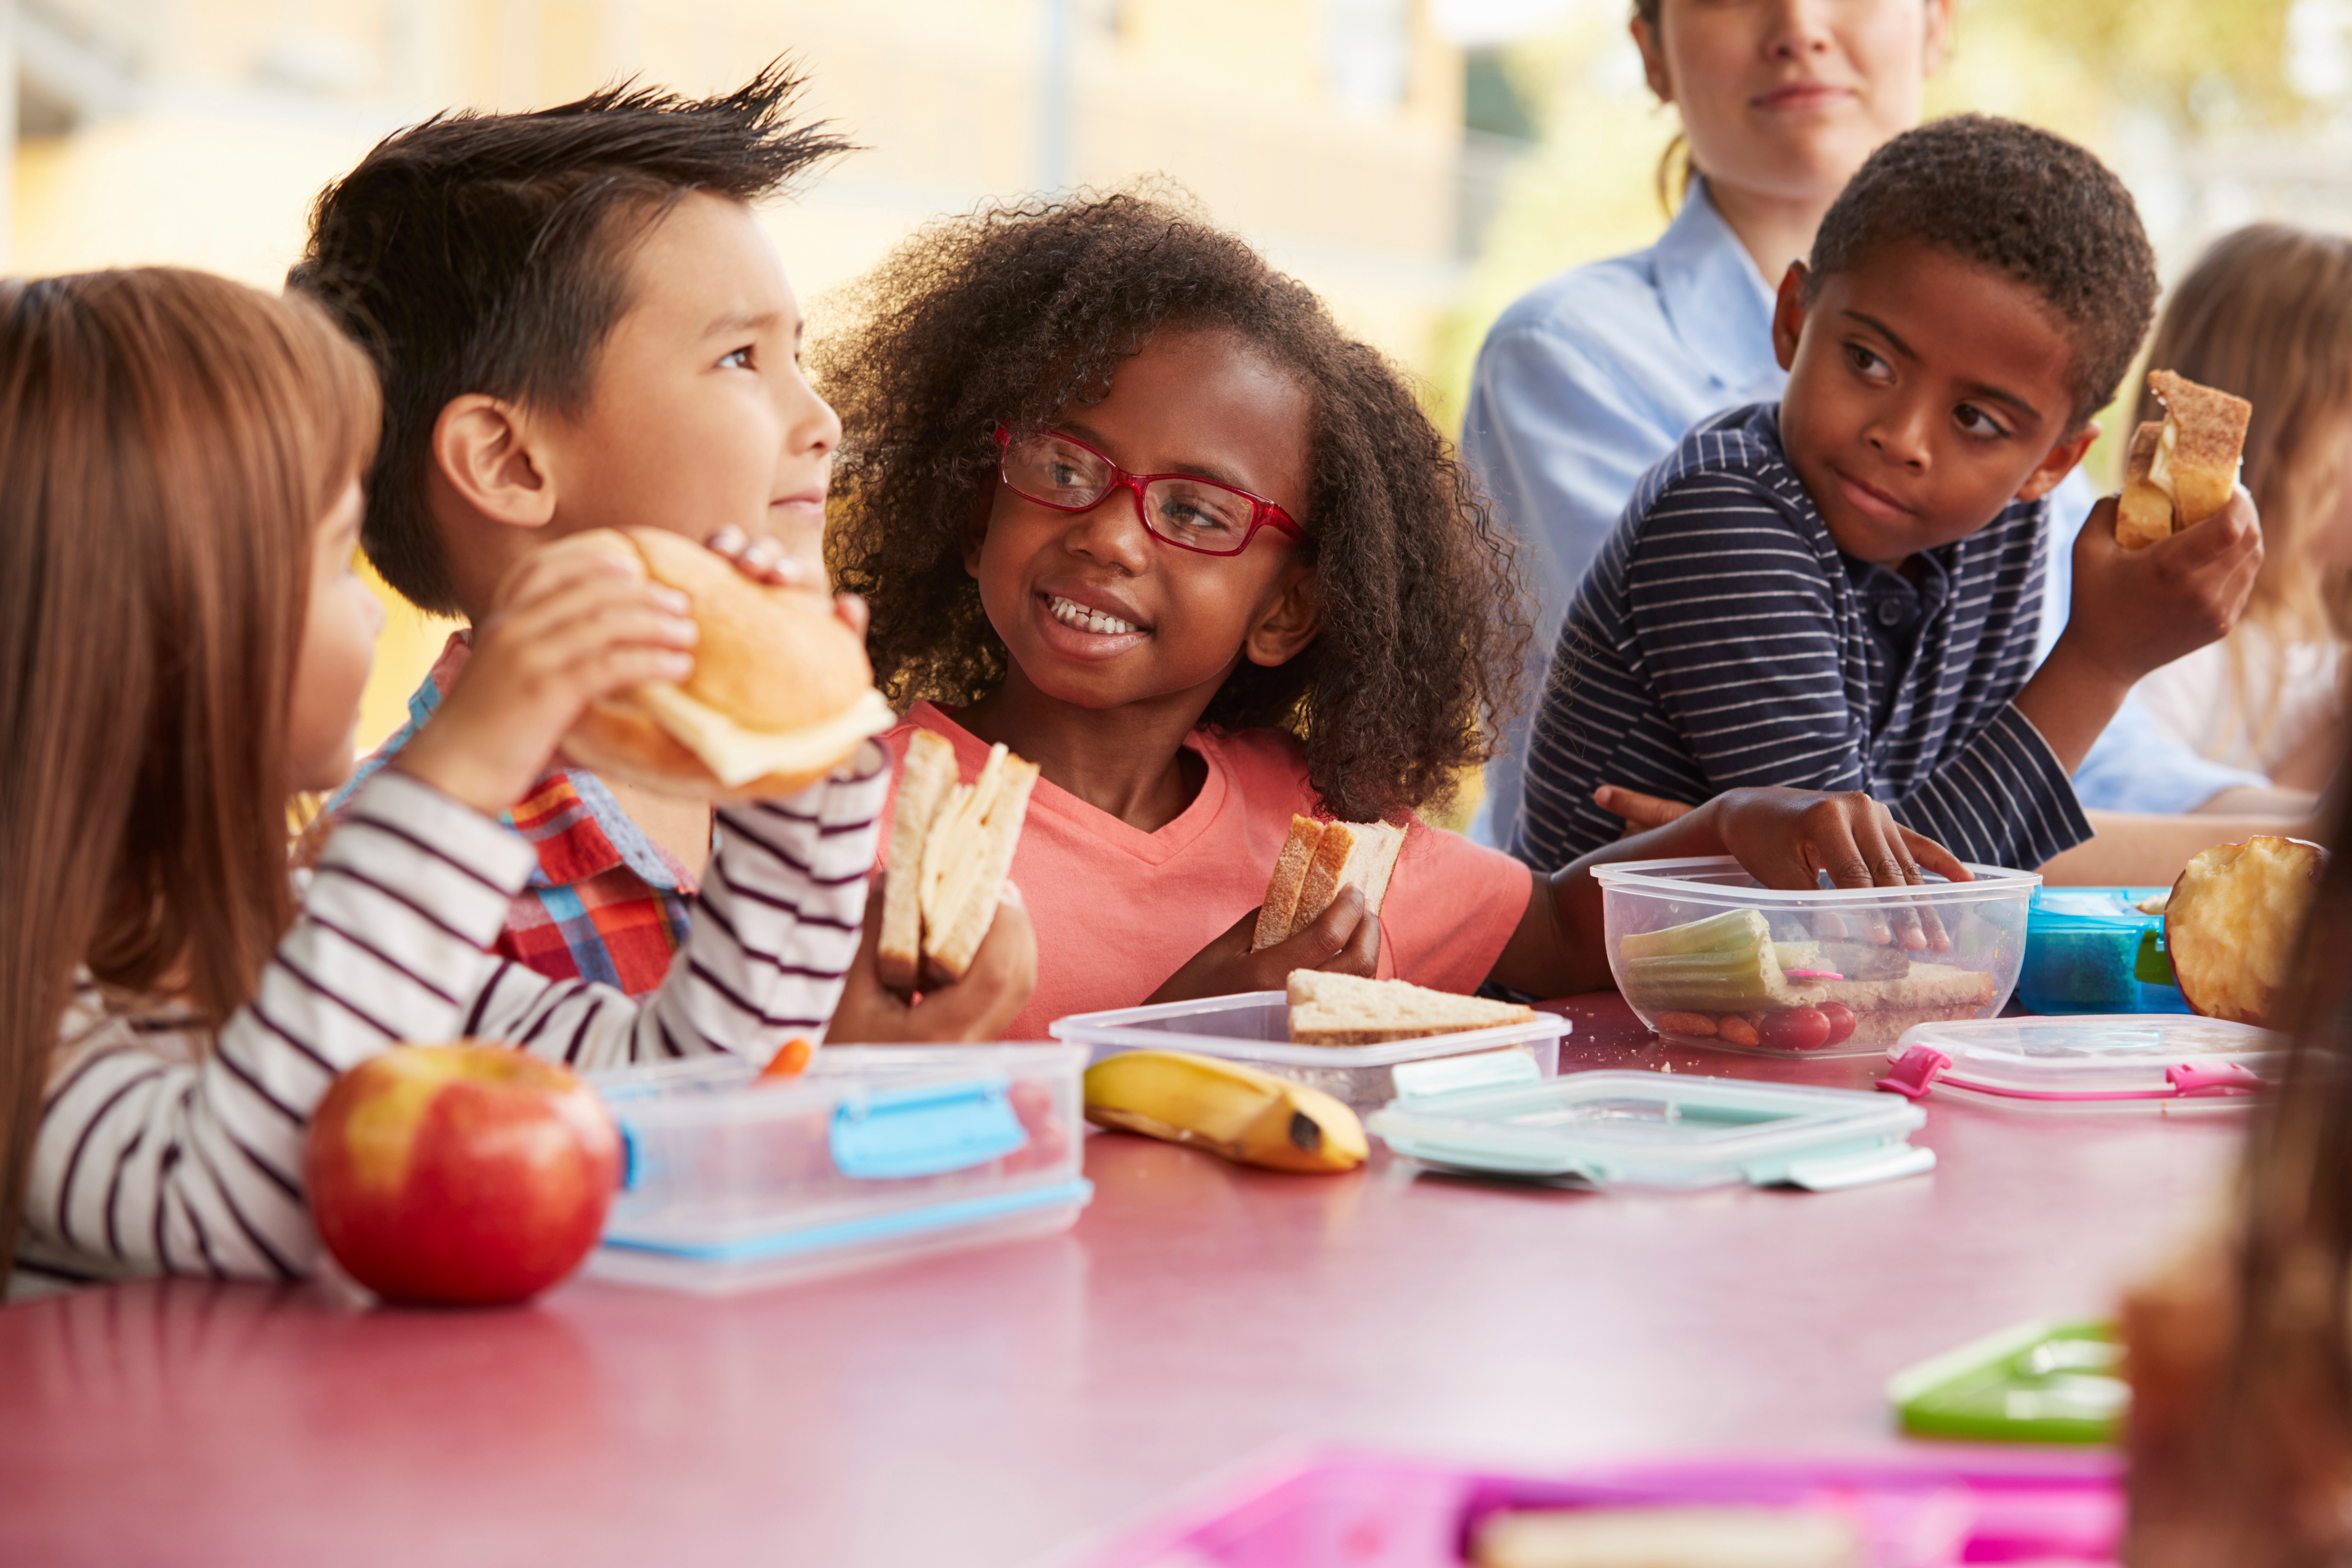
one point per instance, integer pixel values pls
(1184, 510)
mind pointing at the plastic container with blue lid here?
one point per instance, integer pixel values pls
(875, 1153)
(2094, 950)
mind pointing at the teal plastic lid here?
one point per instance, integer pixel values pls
(1493, 1115)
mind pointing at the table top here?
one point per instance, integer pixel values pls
(1012, 1405)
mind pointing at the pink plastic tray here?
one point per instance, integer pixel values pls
(1336, 1509)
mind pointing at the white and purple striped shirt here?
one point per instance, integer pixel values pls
(1719, 641)
(161, 1150)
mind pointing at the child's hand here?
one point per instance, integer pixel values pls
(1788, 838)
(572, 625)
(763, 560)
(1343, 938)
(978, 1008)
(2136, 610)
(1640, 812)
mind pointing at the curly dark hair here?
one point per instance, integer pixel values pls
(2025, 202)
(489, 253)
(1013, 311)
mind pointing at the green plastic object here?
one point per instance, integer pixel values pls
(2043, 1381)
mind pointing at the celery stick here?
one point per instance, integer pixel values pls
(1733, 931)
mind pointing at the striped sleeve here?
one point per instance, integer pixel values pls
(775, 928)
(151, 1159)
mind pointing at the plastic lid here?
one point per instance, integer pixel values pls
(1694, 875)
(1647, 1129)
(2043, 1381)
(2089, 909)
(2094, 1057)
(1254, 1026)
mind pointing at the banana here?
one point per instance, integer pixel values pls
(1246, 1115)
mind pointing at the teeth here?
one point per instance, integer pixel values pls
(1070, 613)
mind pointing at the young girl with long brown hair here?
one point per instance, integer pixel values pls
(2267, 313)
(183, 642)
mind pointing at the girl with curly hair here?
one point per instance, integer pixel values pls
(1125, 498)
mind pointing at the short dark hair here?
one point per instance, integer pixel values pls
(487, 253)
(2025, 202)
(1009, 314)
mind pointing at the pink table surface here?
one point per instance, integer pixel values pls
(1025, 1402)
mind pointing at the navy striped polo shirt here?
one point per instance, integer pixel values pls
(1720, 640)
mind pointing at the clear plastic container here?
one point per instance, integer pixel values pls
(1253, 1027)
(1648, 1129)
(2094, 950)
(1707, 957)
(875, 1153)
(2116, 1061)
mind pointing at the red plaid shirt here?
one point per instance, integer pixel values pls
(605, 902)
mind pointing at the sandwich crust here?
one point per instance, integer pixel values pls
(2209, 431)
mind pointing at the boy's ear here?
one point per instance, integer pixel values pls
(1789, 315)
(1290, 623)
(2058, 463)
(485, 450)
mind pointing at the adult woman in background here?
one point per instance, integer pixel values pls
(2267, 313)
(1594, 376)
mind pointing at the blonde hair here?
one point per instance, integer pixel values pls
(2266, 313)
(169, 443)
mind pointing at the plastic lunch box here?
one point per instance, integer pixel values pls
(1343, 1510)
(1745, 978)
(1493, 1115)
(2110, 1062)
(2093, 950)
(875, 1153)
(2043, 1381)
(1253, 1027)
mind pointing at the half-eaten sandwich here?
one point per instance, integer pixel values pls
(2181, 470)
(951, 848)
(1317, 859)
(1328, 1009)
(781, 693)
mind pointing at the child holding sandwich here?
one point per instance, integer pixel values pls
(580, 325)
(1127, 500)
(1840, 590)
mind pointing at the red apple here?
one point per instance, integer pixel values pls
(461, 1174)
(2232, 923)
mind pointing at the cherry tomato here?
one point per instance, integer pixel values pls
(1841, 1018)
(1795, 1029)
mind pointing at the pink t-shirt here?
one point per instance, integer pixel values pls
(1117, 910)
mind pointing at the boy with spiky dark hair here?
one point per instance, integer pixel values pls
(579, 325)
(1841, 591)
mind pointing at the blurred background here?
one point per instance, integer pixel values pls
(1419, 162)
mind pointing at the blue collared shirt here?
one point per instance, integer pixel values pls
(1589, 379)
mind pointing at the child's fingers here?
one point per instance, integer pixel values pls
(595, 611)
(1326, 936)
(561, 565)
(1930, 856)
(854, 613)
(1640, 812)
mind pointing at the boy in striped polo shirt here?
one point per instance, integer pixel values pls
(1840, 591)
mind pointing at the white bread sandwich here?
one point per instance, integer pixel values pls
(1928, 993)
(1328, 1009)
(781, 693)
(1317, 859)
(2185, 473)
(1691, 1536)
(951, 848)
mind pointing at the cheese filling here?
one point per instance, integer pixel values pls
(2159, 467)
(736, 755)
